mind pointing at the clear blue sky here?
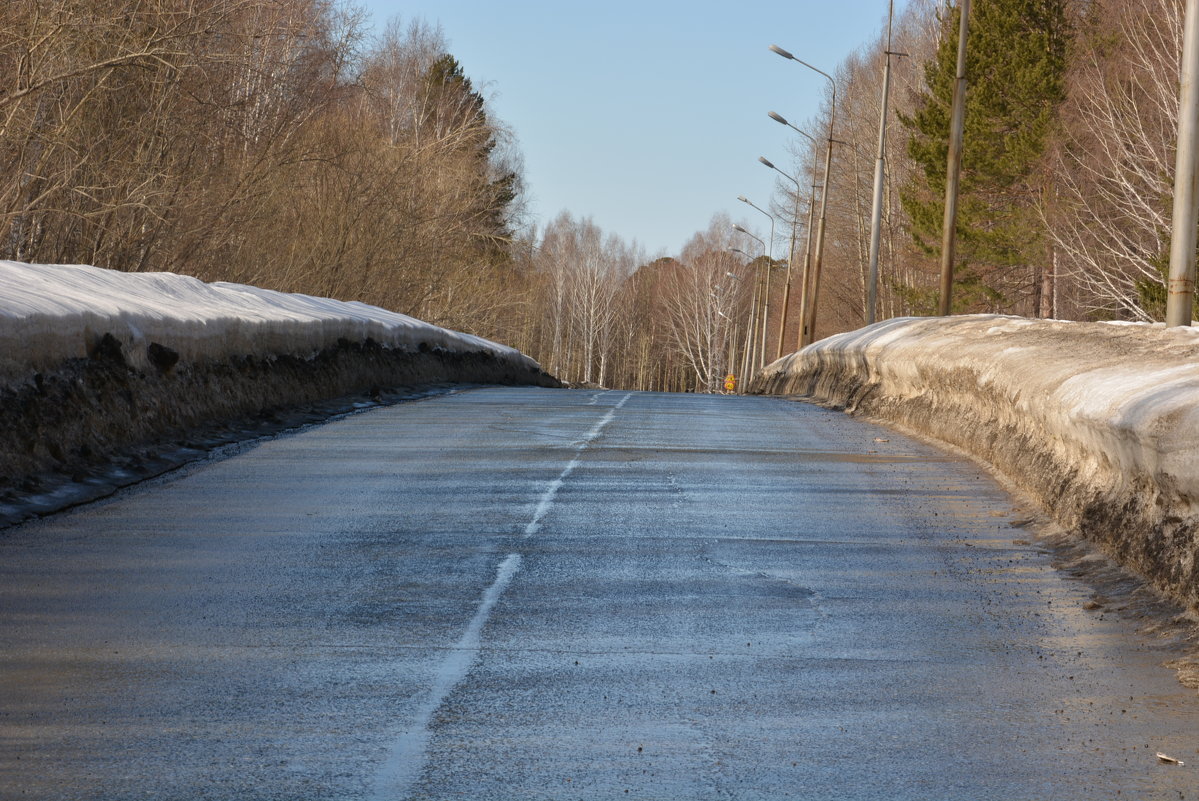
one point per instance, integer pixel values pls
(648, 116)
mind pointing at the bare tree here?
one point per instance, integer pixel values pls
(585, 270)
(1107, 204)
(700, 307)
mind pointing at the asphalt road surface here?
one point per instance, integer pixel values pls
(550, 594)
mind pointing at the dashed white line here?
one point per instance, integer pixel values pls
(409, 752)
(551, 492)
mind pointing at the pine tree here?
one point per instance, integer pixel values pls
(452, 104)
(455, 113)
(1015, 66)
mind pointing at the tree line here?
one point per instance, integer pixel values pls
(1067, 165)
(281, 143)
(259, 141)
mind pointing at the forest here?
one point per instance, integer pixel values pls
(282, 143)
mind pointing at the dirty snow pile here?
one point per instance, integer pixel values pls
(1099, 421)
(107, 377)
(49, 313)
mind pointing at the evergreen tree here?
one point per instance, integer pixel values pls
(1016, 58)
(451, 103)
(455, 113)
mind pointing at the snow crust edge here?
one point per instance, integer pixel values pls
(1098, 422)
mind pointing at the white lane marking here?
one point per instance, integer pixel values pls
(409, 752)
(551, 492)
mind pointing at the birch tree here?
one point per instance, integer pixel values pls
(703, 296)
(1108, 205)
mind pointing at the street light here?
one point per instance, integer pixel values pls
(760, 241)
(717, 331)
(747, 357)
(806, 332)
(760, 352)
(769, 216)
(769, 265)
(779, 118)
(803, 286)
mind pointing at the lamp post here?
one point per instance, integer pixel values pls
(758, 239)
(803, 285)
(747, 356)
(749, 202)
(759, 352)
(732, 336)
(769, 265)
(790, 259)
(809, 330)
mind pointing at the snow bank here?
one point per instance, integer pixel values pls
(101, 368)
(1099, 421)
(50, 313)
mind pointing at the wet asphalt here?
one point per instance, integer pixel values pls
(550, 594)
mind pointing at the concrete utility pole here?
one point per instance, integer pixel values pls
(876, 214)
(762, 310)
(794, 224)
(769, 264)
(809, 328)
(736, 328)
(805, 287)
(954, 169)
(747, 356)
(778, 351)
(755, 322)
(1186, 180)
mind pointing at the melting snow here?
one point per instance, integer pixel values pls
(1099, 420)
(49, 313)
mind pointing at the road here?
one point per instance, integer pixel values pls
(550, 594)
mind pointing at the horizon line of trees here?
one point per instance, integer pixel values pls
(276, 142)
(279, 143)
(1068, 165)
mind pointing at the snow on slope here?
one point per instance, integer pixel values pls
(197, 365)
(1100, 421)
(50, 313)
